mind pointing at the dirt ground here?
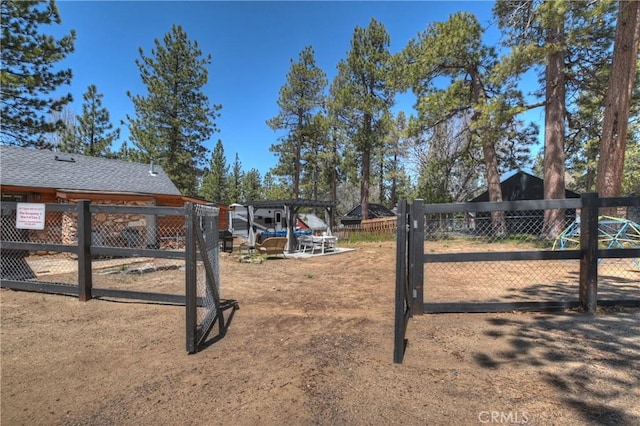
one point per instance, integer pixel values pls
(312, 344)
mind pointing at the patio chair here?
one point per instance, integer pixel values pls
(272, 246)
(305, 242)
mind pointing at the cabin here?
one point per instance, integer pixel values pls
(376, 211)
(518, 187)
(43, 176)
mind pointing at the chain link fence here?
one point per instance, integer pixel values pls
(208, 283)
(128, 247)
(526, 280)
(204, 306)
(43, 255)
(158, 254)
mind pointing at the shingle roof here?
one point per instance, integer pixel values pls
(521, 186)
(40, 168)
(375, 210)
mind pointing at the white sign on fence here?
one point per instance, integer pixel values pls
(30, 216)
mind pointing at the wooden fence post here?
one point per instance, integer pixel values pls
(85, 282)
(589, 252)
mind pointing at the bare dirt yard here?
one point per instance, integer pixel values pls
(312, 344)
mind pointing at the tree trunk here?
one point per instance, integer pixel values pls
(555, 114)
(366, 167)
(381, 198)
(334, 178)
(498, 222)
(618, 100)
(393, 197)
(298, 155)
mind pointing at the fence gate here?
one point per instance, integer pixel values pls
(408, 276)
(204, 307)
(506, 256)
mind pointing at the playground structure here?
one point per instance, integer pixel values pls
(613, 232)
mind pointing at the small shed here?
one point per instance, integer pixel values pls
(354, 216)
(521, 186)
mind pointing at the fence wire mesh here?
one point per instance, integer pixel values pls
(136, 228)
(44, 264)
(208, 267)
(507, 281)
(618, 228)
(55, 260)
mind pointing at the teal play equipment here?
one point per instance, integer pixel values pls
(613, 232)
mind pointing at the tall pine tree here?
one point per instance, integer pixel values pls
(363, 92)
(252, 185)
(235, 182)
(618, 101)
(557, 39)
(28, 76)
(300, 99)
(214, 184)
(92, 132)
(175, 117)
(454, 49)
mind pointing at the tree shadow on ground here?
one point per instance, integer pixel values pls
(592, 361)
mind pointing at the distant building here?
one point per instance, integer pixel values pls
(354, 216)
(521, 186)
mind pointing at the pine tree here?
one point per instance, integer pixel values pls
(28, 79)
(618, 101)
(214, 184)
(394, 159)
(317, 160)
(92, 133)
(565, 42)
(235, 182)
(454, 49)
(300, 99)
(364, 93)
(174, 119)
(252, 185)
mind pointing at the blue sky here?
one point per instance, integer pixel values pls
(251, 44)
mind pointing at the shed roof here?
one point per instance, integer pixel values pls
(521, 186)
(374, 210)
(47, 169)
